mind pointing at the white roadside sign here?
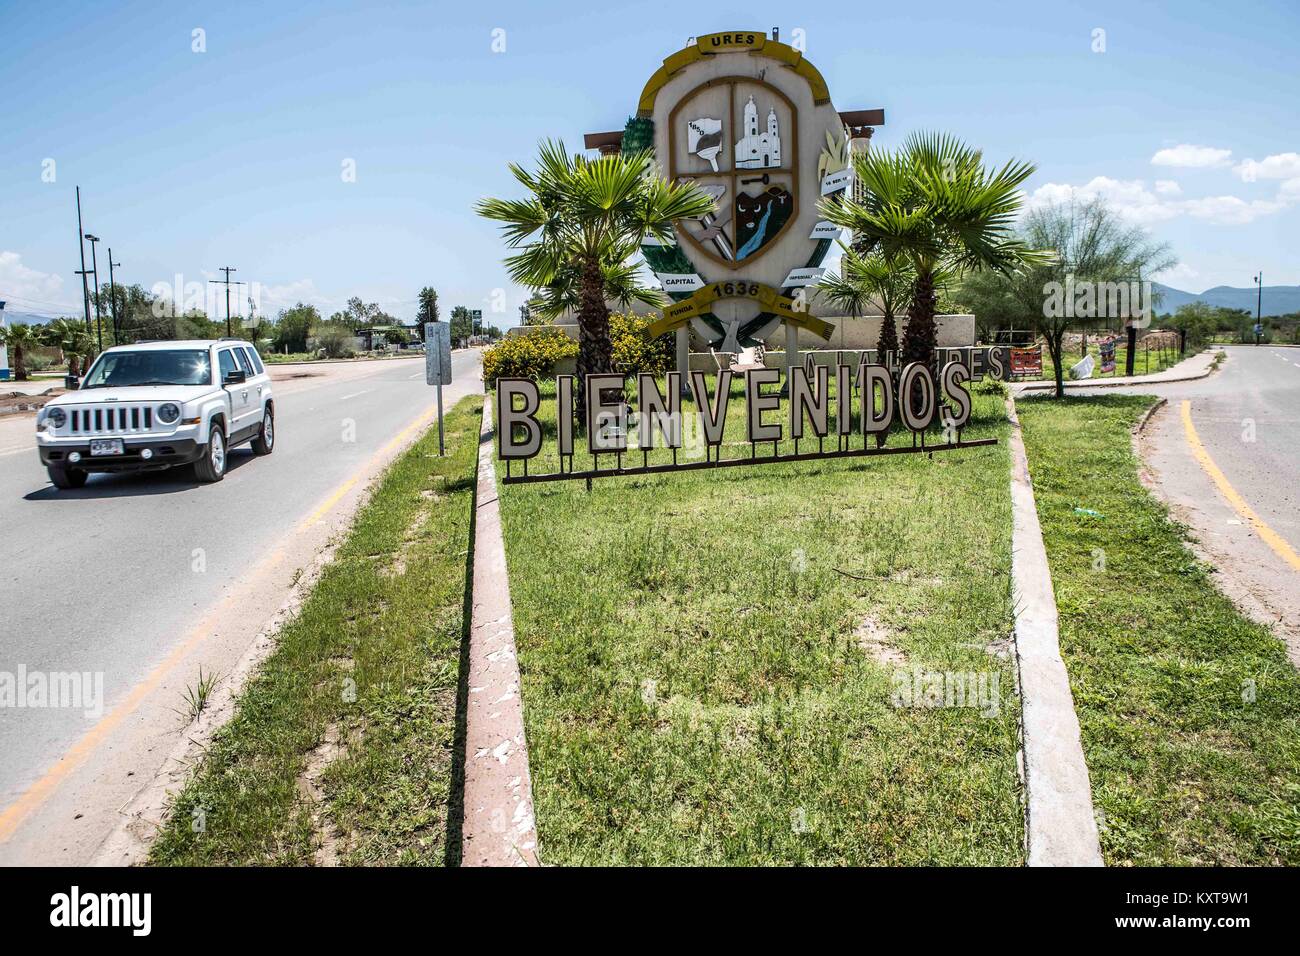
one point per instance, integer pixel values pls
(437, 366)
(437, 353)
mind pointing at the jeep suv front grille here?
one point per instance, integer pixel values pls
(109, 420)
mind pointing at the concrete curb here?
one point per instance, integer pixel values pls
(1146, 416)
(1061, 829)
(498, 828)
(1155, 378)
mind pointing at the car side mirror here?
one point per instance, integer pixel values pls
(237, 377)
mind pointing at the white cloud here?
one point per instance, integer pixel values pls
(1135, 202)
(1289, 191)
(1230, 210)
(29, 290)
(1182, 272)
(1187, 155)
(288, 294)
(1277, 166)
(1130, 198)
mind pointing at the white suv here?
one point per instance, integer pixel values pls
(157, 405)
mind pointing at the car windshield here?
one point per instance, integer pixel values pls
(150, 367)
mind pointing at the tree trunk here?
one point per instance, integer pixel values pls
(919, 334)
(74, 365)
(886, 343)
(888, 340)
(20, 364)
(1054, 348)
(595, 348)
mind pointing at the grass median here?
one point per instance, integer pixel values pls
(341, 748)
(1190, 713)
(711, 661)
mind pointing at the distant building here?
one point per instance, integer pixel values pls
(757, 150)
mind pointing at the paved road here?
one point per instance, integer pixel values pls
(1247, 418)
(112, 577)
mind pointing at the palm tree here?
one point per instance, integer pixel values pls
(872, 280)
(622, 280)
(21, 338)
(933, 204)
(867, 280)
(70, 337)
(583, 218)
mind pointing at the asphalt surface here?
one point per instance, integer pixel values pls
(109, 578)
(1247, 417)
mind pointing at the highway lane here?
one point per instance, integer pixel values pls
(110, 578)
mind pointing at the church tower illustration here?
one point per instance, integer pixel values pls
(757, 150)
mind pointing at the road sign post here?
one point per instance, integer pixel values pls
(437, 366)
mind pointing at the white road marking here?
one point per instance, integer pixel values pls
(366, 391)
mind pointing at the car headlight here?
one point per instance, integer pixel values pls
(56, 417)
(168, 412)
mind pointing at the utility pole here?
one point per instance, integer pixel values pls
(1259, 305)
(99, 326)
(112, 292)
(1130, 339)
(81, 247)
(226, 282)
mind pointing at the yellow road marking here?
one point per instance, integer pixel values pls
(1269, 536)
(40, 791)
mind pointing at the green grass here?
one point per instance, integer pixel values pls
(1190, 713)
(695, 682)
(1145, 361)
(372, 661)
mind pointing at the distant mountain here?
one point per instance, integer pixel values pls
(12, 318)
(1278, 299)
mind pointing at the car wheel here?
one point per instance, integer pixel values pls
(212, 466)
(264, 440)
(67, 477)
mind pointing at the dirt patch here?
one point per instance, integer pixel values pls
(330, 749)
(410, 539)
(877, 641)
(12, 403)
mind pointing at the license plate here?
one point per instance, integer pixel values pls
(106, 446)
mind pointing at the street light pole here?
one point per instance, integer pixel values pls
(1259, 304)
(94, 265)
(81, 248)
(112, 291)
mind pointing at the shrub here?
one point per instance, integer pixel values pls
(335, 340)
(990, 386)
(634, 351)
(531, 355)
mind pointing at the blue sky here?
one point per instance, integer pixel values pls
(234, 156)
